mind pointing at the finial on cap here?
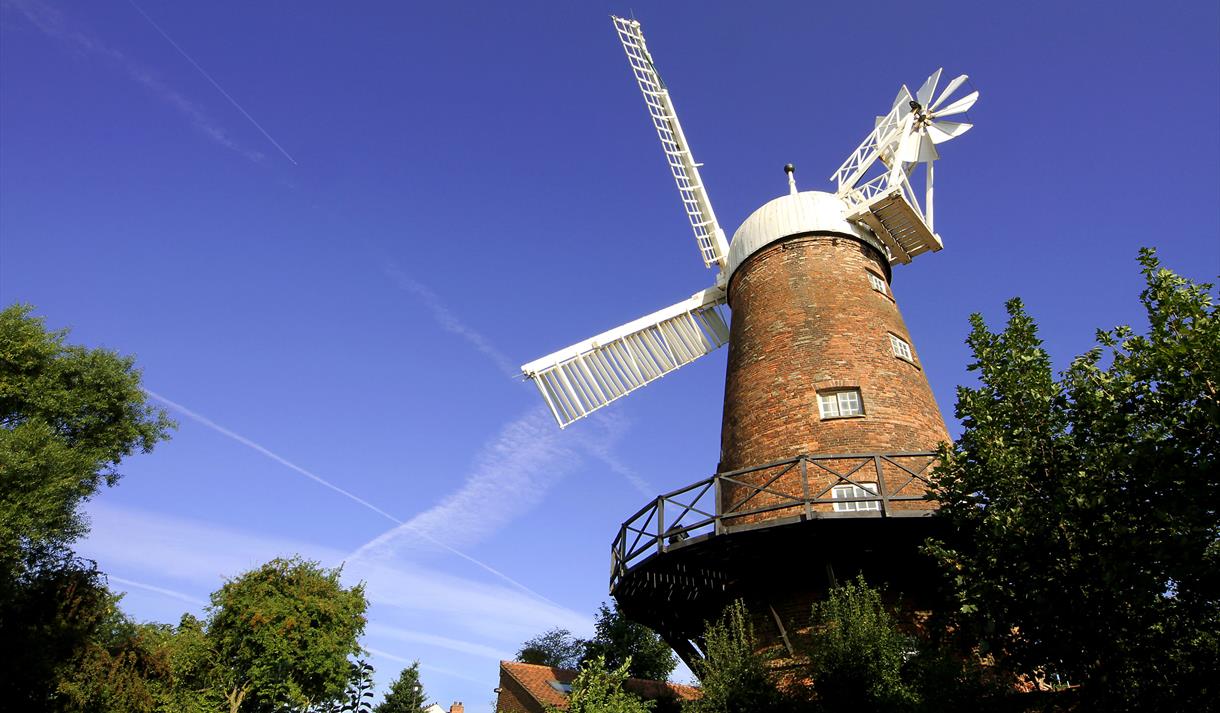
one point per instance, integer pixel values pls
(791, 171)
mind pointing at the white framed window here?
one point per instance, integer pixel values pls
(901, 349)
(877, 282)
(862, 490)
(840, 404)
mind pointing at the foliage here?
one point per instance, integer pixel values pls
(123, 668)
(1085, 539)
(619, 640)
(51, 606)
(856, 659)
(406, 694)
(68, 416)
(193, 688)
(358, 697)
(79, 652)
(281, 635)
(949, 681)
(734, 676)
(556, 647)
(598, 689)
(856, 652)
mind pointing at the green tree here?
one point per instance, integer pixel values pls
(123, 668)
(618, 640)
(358, 698)
(280, 636)
(733, 676)
(68, 416)
(51, 606)
(1085, 540)
(406, 694)
(557, 648)
(856, 653)
(598, 689)
(195, 685)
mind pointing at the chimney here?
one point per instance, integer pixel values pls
(457, 707)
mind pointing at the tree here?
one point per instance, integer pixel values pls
(68, 416)
(358, 698)
(1085, 540)
(598, 689)
(557, 648)
(281, 635)
(195, 684)
(51, 605)
(123, 668)
(856, 653)
(733, 676)
(618, 640)
(406, 694)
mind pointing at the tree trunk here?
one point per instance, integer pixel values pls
(235, 697)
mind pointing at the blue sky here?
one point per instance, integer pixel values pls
(330, 234)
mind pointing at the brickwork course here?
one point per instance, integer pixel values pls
(807, 320)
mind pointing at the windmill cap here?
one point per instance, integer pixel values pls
(794, 214)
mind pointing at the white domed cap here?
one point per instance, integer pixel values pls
(793, 214)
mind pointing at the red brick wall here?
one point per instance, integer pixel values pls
(805, 317)
(512, 698)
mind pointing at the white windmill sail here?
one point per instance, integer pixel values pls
(901, 140)
(584, 377)
(879, 144)
(713, 246)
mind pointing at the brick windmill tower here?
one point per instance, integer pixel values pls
(829, 423)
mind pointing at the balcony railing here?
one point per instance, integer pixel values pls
(800, 488)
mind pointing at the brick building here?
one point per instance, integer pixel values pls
(530, 688)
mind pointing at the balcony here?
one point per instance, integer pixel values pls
(801, 489)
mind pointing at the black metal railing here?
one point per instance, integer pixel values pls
(772, 494)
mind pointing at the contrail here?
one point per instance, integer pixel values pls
(52, 22)
(158, 590)
(450, 322)
(200, 418)
(600, 449)
(278, 459)
(423, 666)
(514, 470)
(208, 77)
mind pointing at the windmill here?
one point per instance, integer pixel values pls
(829, 422)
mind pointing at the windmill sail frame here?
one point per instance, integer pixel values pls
(584, 377)
(901, 140)
(713, 245)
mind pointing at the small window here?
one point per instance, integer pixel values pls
(840, 404)
(878, 284)
(561, 687)
(863, 490)
(901, 349)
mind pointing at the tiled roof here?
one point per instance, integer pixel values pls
(537, 679)
(651, 690)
